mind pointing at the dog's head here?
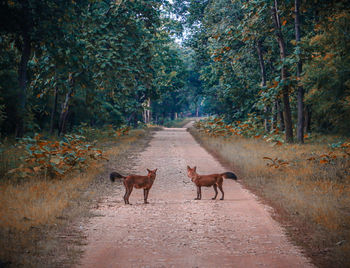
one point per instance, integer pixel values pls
(191, 172)
(152, 173)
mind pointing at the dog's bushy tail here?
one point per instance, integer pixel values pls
(115, 175)
(229, 175)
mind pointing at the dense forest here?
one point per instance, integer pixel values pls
(64, 63)
(284, 65)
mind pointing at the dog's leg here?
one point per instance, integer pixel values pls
(125, 196)
(216, 191)
(222, 191)
(128, 194)
(197, 198)
(145, 195)
(199, 193)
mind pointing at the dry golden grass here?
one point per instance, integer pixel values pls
(315, 196)
(35, 226)
(39, 202)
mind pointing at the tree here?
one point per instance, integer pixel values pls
(301, 118)
(284, 79)
(326, 67)
(27, 22)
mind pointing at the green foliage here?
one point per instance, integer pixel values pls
(63, 63)
(226, 36)
(98, 63)
(327, 72)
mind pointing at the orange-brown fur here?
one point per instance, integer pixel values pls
(215, 180)
(137, 181)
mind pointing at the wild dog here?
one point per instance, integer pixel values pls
(137, 181)
(214, 180)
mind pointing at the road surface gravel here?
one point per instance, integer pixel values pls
(175, 230)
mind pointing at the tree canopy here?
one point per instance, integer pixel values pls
(64, 63)
(280, 63)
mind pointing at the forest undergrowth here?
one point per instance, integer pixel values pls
(307, 185)
(33, 200)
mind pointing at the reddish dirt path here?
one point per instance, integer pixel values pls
(176, 231)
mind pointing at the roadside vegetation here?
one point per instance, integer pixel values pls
(284, 64)
(178, 123)
(307, 185)
(45, 179)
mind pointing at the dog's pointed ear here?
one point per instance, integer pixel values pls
(148, 170)
(155, 170)
(188, 168)
(194, 169)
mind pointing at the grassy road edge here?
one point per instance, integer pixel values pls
(58, 243)
(317, 242)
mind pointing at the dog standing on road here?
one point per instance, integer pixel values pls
(214, 180)
(137, 181)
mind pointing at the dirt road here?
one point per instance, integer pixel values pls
(175, 230)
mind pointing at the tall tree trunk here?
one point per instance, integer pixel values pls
(307, 119)
(274, 115)
(147, 111)
(266, 119)
(23, 79)
(132, 119)
(65, 107)
(144, 115)
(285, 91)
(53, 112)
(280, 115)
(261, 62)
(64, 113)
(263, 80)
(275, 105)
(300, 131)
